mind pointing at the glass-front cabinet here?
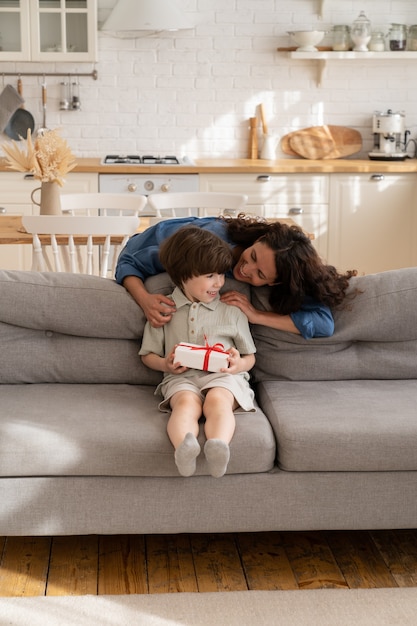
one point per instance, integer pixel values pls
(48, 30)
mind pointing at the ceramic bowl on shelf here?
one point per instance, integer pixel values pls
(306, 40)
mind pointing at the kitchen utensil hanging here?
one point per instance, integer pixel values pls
(44, 128)
(21, 120)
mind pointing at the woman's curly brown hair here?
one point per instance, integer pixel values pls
(299, 268)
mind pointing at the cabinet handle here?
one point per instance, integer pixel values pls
(264, 178)
(3, 210)
(28, 176)
(296, 211)
(377, 177)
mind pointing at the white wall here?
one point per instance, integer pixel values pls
(192, 92)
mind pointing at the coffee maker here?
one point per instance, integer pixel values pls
(390, 136)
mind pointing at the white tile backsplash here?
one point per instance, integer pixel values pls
(192, 92)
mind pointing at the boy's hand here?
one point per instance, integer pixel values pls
(171, 366)
(234, 362)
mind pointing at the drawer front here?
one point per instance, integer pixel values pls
(294, 189)
(16, 187)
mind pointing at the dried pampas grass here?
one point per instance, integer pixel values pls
(48, 158)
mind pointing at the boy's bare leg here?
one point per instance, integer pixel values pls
(182, 429)
(219, 428)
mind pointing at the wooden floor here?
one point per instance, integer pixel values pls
(34, 566)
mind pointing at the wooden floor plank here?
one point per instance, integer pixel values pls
(398, 548)
(265, 561)
(122, 565)
(73, 569)
(24, 566)
(2, 545)
(217, 563)
(170, 564)
(312, 561)
(31, 566)
(357, 556)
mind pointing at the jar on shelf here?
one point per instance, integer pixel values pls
(341, 37)
(397, 37)
(361, 33)
(412, 38)
(377, 43)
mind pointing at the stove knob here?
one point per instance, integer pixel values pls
(132, 187)
(165, 187)
(149, 185)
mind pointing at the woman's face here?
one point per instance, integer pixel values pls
(256, 265)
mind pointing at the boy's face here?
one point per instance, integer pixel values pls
(204, 288)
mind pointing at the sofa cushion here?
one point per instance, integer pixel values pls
(73, 328)
(375, 335)
(77, 304)
(338, 426)
(45, 356)
(72, 304)
(107, 430)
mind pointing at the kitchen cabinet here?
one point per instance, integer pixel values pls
(48, 30)
(301, 197)
(15, 199)
(372, 222)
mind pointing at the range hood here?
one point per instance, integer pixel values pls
(132, 16)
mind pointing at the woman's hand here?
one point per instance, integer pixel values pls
(158, 309)
(263, 318)
(242, 302)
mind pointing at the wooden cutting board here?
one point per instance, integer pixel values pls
(322, 142)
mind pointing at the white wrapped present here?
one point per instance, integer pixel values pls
(206, 358)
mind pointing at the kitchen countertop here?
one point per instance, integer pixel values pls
(249, 166)
(12, 232)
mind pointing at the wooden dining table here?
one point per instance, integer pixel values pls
(13, 232)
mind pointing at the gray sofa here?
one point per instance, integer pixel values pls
(83, 447)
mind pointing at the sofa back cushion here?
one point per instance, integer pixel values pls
(375, 335)
(72, 328)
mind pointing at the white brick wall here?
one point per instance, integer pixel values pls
(192, 92)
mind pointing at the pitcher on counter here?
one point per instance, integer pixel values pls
(302, 287)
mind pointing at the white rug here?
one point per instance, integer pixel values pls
(322, 607)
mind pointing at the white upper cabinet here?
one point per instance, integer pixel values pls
(48, 30)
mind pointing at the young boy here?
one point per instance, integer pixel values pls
(197, 261)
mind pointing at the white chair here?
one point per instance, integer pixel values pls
(200, 203)
(96, 237)
(102, 203)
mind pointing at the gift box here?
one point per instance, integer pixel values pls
(206, 358)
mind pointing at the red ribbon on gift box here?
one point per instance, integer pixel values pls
(217, 347)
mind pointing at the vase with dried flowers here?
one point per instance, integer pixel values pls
(49, 159)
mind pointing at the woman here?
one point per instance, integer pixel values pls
(302, 290)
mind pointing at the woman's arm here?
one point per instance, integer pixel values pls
(262, 318)
(312, 320)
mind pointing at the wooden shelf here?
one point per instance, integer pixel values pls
(322, 56)
(332, 55)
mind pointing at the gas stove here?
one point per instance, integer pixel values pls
(147, 159)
